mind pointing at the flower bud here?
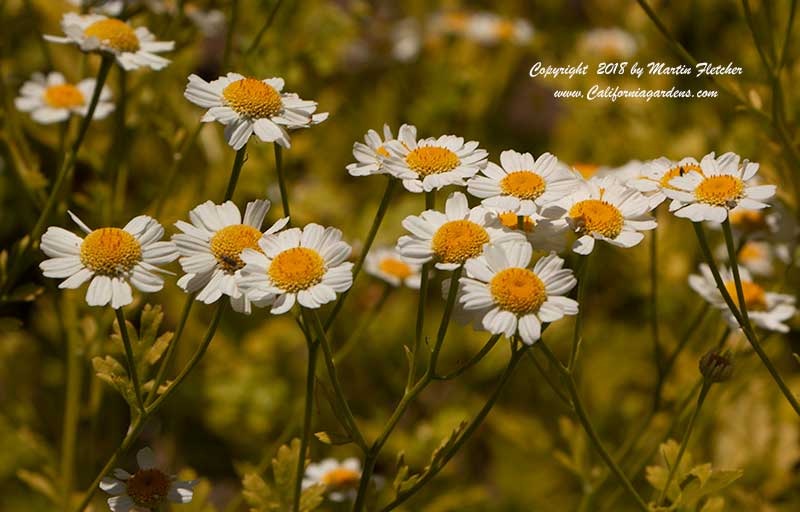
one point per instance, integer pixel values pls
(716, 366)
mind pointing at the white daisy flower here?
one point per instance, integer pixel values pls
(510, 298)
(720, 186)
(249, 105)
(132, 48)
(765, 309)
(108, 7)
(430, 164)
(542, 233)
(453, 237)
(371, 154)
(112, 258)
(339, 478)
(50, 99)
(489, 28)
(522, 182)
(608, 43)
(211, 248)
(756, 256)
(386, 264)
(604, 209)
(147, 489)
(655, 176)
(296, 265)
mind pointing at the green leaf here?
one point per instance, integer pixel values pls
(333, 438)
(279, 497)
(41, 484)
(158, 348)
(110, 371)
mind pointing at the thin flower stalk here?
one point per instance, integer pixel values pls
(138, 422)
(430, 203)
(131, 361)
(307, 411)
(67, 165)
(383, 207)
(518, 350)
(583, 266)
(583, 417)
(282, 180)
(685, 441)
(746, 328)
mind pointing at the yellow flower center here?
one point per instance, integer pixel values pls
(114, 33)
(755, 298)
(597, 216)
(748, 221)
(511, 221)
(395, 267)
(382, 151)
(459, 240)
(586, 170)
(523, 184)
(110, 251)
(678, 171)
(63, 96)
(518, 290)
(751, 252)
(427, 160)
(504, 30)
(253, 98)
(296, 269)
(228, 243)
(719, 190)
(148, 487)
(341, 478)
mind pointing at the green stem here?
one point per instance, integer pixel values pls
(788, 36)
(120, 146)
(177, 158)
(312, 317)
(167, 359)
(452, 293)
(685, 441)
(391, 184)
(67, 164)
(470, 429)
(430, 203)
(257, 39)
(306, 435)
(734, 264)
(139, 422)
(132, 372)
(281, 180)
(583, 417)
(72, 401)
(234, 17)
(238, 162)
(477, 358)
(748, 331)
(577, 333)
(363, 325)
(654, 331)
(560, 394)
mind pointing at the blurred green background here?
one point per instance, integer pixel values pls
(370, 63)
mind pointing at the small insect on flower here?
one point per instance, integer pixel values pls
(507, 297)
(339, 478)
(386, 264)
(211, 248)
(766, 309)
(522, 182)
(604, 209)
(147, 489)
(371, 154)
(132, 48)
(453, 237)
(248, 105)
(430, 164)
(655, 175)
(51, 99)
(112, 258)
(296, 265)
(720, 185)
